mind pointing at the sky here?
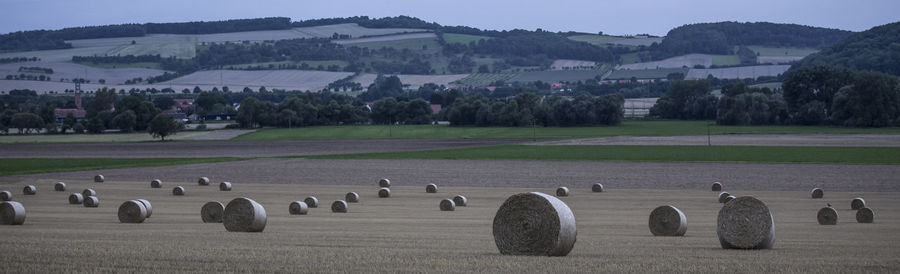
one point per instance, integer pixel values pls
(609, 16)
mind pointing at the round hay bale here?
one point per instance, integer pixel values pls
(178, 191)
(156, 183)
(384, 192)
(384, 183)
(339, 206)
(5, 196)
(431, 188)
(857, 203)
(29, 190)
(562, 191)
(99, 178)
(147, 205)
(827, 216)
(817, 193)
(729, 198)
(12, 213)
(311, 201)
(723, 196)
(447, 205)
(59, 186)
(598, 187)
(298, 208)
(91, 201)
(667, 221)
(132, 212)
(76, 198)
(244, 215)
(225, 186)
(203, 181)
(88, 192)
(212, 212)
(352, 197)
(534, 224)
(717, 186)
(745, 223)
(865, 215)
(460, 200)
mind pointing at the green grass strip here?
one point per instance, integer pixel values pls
(16, 166)
(749, 154)
(628, 128)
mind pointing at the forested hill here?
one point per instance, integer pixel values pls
(720, 38)
(876, 49)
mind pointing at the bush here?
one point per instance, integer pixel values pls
(78, 128)
(201, 127)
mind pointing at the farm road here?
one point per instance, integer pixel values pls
(235, 149)
(736, 177)
(847, 140)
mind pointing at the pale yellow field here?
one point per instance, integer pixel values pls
(407, 233)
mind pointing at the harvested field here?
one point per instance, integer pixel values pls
(514, 173)
(689, 61)
(414, 81)
(738, 72)
(603, 40)
(115, 76)
(396, 37)
(563, 64)
(637, 41)
(777, 59)
(235, 149)
(352, 29)
(627, 74)
(835, 140)
(404, 234)
(464, 39)
(280, 79)
(484, 79)
(557, 76)
(166, 45)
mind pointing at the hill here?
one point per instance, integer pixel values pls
(722, 37)
(876, 49)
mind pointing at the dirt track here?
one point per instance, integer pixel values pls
(868, 140)
(234, 149)
(632, 175)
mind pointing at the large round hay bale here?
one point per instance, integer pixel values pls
(351, 197)
(745, 223)
(311, 201)
(431, 188)
(817, 193)
(59, 186)
(667, 221)
(203, 181)
(865, 215)
(178, 191)
(534, 224)
(298, 208)
(857, 203)
(729, 198)
(132, 212)
(76, 198)
(716, 186)
(384, 192)
(157, 183)
(29, 190)
(339, 206)
(460, 200)
(88, 192)
(99, 178)
(597, 187)
(91, 201)
(447, 205)
(5, 195)
(384, 183)
(225, 186)
(12, 213)
(244, 215)
(562, 191)
(212, 212)
(147, 205)
(723, 196)
(827, 216)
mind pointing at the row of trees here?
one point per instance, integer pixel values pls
(528, 109)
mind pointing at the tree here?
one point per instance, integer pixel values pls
(686, 100)
(873, 100)
(124, 121)
(69, 122)
(163, 125)
(163, 102)
(809, 92)
(103, 100)
(26, 121)
(207, 100)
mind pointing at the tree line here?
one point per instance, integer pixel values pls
(528, 109)
(876, 49)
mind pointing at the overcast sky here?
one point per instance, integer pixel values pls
(610, 16)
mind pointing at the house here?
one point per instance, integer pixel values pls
(61, 113)
(435, 108)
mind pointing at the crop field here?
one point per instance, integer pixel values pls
(414, 81)
(689, 61)
(644, 73)
(71, 70)
(15, 166)
(604, 40)
(389, 41)
(408, 233)
(738, 72)
(557, 75)
(465, 39)
(166, 45)
(726, 60)
(484, 79)
(563, 64)
(352, 29)
(637, 41)
(282, 79)
(774, 51)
